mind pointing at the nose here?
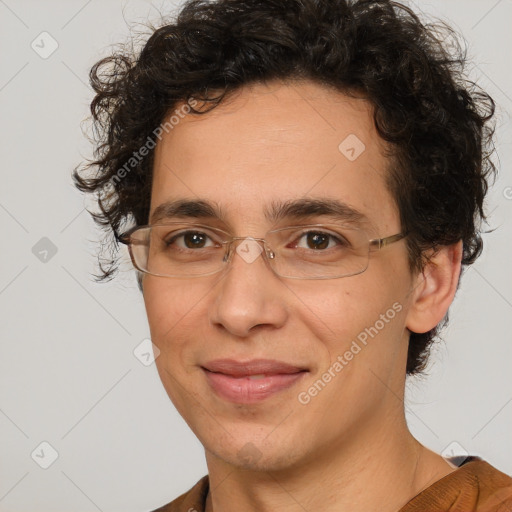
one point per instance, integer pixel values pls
(249, 295)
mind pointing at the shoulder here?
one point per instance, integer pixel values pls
(476, 485)
(191, 501)
(495, 488)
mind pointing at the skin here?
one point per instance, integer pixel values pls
(349, 448)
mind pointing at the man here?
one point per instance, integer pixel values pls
(299, 184)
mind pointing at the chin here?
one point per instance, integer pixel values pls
(253, 455)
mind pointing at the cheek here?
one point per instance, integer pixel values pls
(173, 309)
(168, 300)
(338, 313)
(174, 316)
(338, 305)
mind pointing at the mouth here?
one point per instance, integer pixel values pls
(253, 381)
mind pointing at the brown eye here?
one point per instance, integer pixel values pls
(317, 240)
(190, 240)
(194, 240)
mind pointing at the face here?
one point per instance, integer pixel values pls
(270, 144)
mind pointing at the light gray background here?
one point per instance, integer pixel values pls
(68, 373)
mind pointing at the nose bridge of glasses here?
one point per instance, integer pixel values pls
(248, 248)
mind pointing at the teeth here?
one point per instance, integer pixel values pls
(255, 377)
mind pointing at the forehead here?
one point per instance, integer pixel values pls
(276, 143)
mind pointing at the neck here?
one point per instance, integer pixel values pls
(381, 468)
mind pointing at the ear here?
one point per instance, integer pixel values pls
(434, 288)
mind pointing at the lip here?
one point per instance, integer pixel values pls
(253, 367)
(250, 381)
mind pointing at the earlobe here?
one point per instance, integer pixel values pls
(434, 288)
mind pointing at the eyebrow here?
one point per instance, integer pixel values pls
(297, 209)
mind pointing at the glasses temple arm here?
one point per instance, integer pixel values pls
(379, 243)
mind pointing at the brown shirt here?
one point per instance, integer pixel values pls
(475, 486)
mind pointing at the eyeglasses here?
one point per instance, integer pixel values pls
(316, 251)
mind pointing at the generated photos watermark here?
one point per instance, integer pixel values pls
(304, 397)
(150, 144)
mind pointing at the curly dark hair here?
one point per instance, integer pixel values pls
(436, 121)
